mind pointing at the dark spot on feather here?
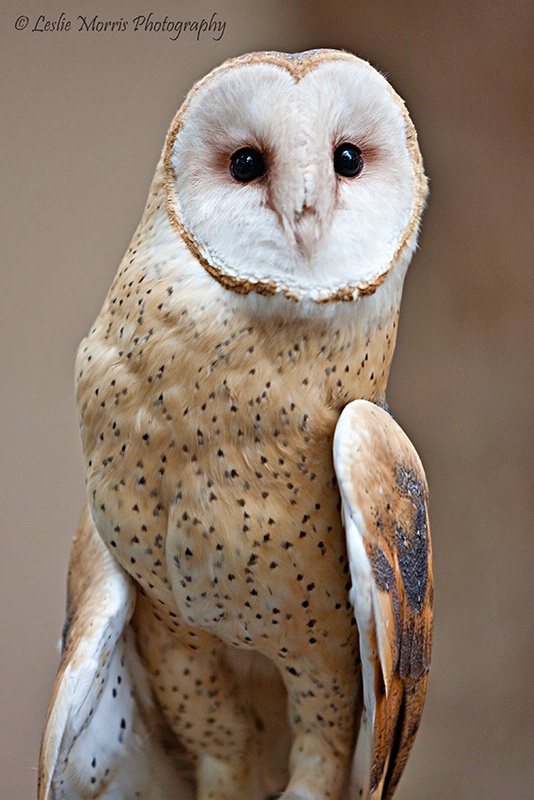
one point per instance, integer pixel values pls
(412, 542)
(384, 576)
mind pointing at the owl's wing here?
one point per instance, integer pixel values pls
(99, 738)
(384, 506)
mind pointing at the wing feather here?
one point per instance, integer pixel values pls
(97, 740)
(384, 505)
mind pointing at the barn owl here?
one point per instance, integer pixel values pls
(250, 587)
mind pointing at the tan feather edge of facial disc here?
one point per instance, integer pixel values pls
(297, 65)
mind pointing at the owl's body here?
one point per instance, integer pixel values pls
(210, 390)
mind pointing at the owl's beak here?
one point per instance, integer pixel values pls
(307, 231)
(305, 207)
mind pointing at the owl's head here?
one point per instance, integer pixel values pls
(297, 175)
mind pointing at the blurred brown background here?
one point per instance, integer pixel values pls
(84, 116)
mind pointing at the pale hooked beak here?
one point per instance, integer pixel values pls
(307, 230)
(305, 206)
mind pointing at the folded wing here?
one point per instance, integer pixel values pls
(384, 506)
(99, 739)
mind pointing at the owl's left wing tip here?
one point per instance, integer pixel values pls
(100, 604)
(101, 736)
(384, 500)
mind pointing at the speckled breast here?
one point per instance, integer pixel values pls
(210, 471)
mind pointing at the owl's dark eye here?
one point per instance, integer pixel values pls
(348, 160)
(247, 164)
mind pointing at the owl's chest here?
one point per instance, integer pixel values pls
(219, 497)
(210, 470)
